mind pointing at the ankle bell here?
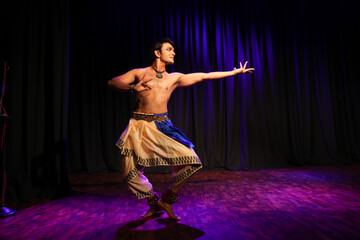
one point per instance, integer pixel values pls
(169, 197)
(152, 201)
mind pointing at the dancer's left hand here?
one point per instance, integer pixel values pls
(243, 69)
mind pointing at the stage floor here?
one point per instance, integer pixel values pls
(293, 203)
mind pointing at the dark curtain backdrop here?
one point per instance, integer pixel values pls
(34, 43)
(301, 107)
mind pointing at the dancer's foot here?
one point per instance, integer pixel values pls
(150, 213)
(154, 208)
(168, 208)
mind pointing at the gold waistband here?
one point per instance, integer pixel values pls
(149, 117)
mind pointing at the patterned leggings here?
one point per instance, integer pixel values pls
(138, 183)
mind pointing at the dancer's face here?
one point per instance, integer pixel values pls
(167, 53)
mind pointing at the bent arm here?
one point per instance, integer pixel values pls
(123, 82)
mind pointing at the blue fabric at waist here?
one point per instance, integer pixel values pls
(169, 130)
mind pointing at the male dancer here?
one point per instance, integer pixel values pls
(150, 139)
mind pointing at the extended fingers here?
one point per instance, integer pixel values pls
(145, 85)
(142, 86)
(250, 70)
(243, 68)
(144, 82)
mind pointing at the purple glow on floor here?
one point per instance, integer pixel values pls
(297, 203)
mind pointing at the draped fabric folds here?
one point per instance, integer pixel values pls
(34, 43)
(300, 107)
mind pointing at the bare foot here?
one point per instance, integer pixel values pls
(152, 212)
(168, 208)
(149, 213)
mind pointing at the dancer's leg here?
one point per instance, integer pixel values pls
(177, 186)
(170, 196)
(139, 185)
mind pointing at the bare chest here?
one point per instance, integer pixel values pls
(160, 85)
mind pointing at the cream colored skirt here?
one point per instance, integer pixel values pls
(143, 145)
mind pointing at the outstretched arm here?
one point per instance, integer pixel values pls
(193, 78)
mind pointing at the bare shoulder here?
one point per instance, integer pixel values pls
(131, 76)
(176, 75)
(139, 71)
